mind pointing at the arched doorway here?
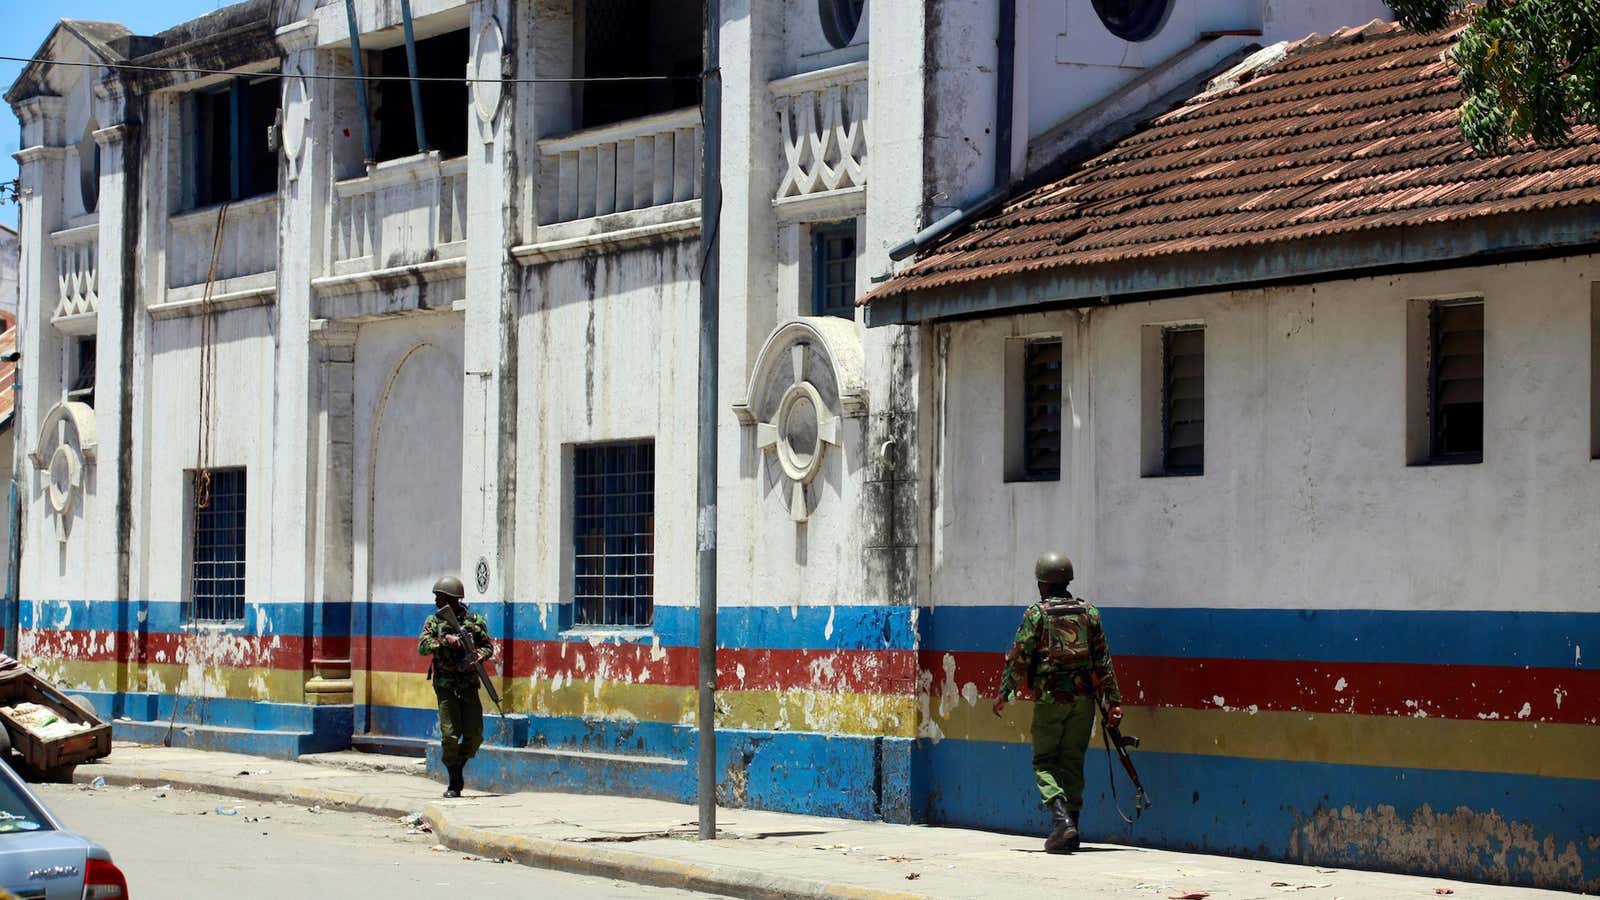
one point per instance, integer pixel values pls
(413, 522)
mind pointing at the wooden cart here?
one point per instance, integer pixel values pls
(54, 757)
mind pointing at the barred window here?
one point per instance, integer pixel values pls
(217, 577)
(614, 534)
(833, 270)
(1041, 427)
(1183, 400)
(1455, 382)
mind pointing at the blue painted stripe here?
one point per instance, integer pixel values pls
(217, 712)
(1256, 807)
(1544, 640)
(778, 628)
(167, 617)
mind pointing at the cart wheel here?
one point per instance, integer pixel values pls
(83, 703)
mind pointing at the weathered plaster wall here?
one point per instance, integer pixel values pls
(1338, 654)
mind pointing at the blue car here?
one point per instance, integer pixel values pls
(41, 860)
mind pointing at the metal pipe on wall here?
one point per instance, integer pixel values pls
(706, 486)
(411, 69)
(368, 156)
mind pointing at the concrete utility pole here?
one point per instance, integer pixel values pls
(706, 572)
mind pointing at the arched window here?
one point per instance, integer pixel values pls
(840, 19)
(89, 167)
(1133, 20)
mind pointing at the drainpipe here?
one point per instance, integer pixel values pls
(411, 69)
(706, 486)
(367, 154)
(1005, 85)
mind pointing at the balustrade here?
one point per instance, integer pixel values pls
(249, 242)
(77, 271)
(823, 117)
(400, 213)
(639, 163)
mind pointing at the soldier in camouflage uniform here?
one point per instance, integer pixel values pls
(455, 677)
(1061, 650)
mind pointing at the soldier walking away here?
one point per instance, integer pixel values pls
(1061, 649)
(457, 652)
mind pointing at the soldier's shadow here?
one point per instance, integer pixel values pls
(1107, 848)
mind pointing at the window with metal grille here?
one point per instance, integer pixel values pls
(217, 576)
(1455, 382)
(1183, 400)
(613, 534)
(1041, 410)
(82, 389)
(833, 270)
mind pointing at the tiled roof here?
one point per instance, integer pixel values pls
(1345, 134)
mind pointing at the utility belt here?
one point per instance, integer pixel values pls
(435, 667)
(1079, 681)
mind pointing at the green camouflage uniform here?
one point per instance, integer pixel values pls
(1061, 649)
(455, 684)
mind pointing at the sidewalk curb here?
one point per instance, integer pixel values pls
(641, 868)
(562, 856)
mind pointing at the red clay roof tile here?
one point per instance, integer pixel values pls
(1341, 136)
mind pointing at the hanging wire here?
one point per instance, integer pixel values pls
(329, 76)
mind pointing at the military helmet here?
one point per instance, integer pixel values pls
(1054, 569)
(450, 586)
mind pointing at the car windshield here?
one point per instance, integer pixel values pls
(18, 812)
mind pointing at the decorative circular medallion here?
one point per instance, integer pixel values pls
(66, 476)
(800, 413)
(296, 112)
(488, 45)
(483, 575)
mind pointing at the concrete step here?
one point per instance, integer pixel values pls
(363, 761)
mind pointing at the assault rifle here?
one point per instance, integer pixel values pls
(1113, 738)
(448, 614)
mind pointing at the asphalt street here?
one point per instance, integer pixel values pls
(176, 844)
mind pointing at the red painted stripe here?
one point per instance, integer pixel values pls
(1570, 696)
(205, 647)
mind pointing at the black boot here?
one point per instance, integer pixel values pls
(1064, 830)
(456, 782)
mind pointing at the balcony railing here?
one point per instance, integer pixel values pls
(823, 115)
(403, 212)
(639, 163)
(249, 242)
(77, 271)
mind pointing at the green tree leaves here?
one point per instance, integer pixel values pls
(1530, 69)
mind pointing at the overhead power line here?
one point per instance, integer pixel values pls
(448, 79)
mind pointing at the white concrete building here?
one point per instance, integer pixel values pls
(480, 357)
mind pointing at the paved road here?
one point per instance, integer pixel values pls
(178, 846)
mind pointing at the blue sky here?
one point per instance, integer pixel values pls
(28, 22)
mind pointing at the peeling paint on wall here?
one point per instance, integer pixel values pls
(1462, 843)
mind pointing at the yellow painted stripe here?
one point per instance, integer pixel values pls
(274, 685)
(1518, 748)
(810, 711)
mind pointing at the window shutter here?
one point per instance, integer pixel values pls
(1184, 400)
(1042, 410)
(1457, 383)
